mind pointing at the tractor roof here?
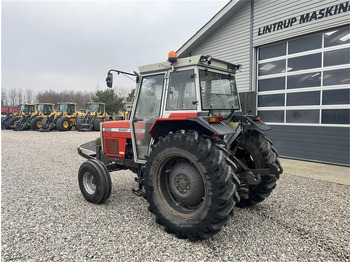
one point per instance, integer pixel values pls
(206, 61)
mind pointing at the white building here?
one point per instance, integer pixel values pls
(296, 70)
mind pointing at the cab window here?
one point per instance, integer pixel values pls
(182, 91)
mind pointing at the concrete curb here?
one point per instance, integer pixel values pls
(319, 171)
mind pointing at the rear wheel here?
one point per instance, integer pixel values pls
(36, 123)
(189, 185)
(257, 152)
(63, 124)
(94, 181)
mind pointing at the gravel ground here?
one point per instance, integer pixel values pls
(45, 217)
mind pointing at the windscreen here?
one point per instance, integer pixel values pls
(62, 108)
(22, 108)
(218, 91)
(40, 108)
(95, 108)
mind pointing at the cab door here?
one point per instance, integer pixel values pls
(148, 105)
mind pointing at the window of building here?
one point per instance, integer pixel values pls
(306, 80)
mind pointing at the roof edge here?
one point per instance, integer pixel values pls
(214, 22)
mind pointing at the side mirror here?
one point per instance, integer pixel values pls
(109, 80)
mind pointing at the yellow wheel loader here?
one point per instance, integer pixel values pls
(63, 119)
(44, 110)
(92, 119)
(126, 110)
(25, 112)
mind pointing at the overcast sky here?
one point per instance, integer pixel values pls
(70, 45)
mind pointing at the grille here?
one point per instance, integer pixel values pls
(111, 146)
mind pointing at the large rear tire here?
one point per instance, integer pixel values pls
(257, 152)
(190, 185)
(94, 181)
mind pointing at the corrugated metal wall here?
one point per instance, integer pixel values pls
(323, 144)
(273, 11)
(226, 44)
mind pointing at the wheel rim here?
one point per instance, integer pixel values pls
(65, 124)
(180, 187)
(39, 124)
(89, 183)
(246, 157)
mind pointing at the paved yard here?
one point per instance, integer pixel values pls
(45, 217)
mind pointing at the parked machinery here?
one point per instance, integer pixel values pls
(45, 110)
(125, 112)
(63, 119)
(24, 111)
(194, 154)
(93, 118)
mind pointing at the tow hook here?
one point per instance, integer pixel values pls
(249, 178)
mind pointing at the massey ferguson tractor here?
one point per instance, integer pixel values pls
(195, 156)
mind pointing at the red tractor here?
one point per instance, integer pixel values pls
(195, 157)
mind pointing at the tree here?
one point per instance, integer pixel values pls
(13, 97)
(79, 97)
(111, 99)
(131, 96)
(122, 91)
(4, 99)
(29, 96)
(20, 95)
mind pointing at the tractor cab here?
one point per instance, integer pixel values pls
(172, 92)
(97, 108)
(45, 109)
(67, 109)
(27, 109)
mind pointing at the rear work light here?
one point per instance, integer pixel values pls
(215, 119)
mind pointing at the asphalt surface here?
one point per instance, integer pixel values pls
(44, 217)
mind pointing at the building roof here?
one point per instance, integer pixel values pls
(223, 15)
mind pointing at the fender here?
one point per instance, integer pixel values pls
(190, 121)
(254, 123)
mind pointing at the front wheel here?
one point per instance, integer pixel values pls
(14, 122)
(94, 181)
(257, 152)
(189, 184)
(36, 123)
(63, 124)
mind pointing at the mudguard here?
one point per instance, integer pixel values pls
(254, 123)
(162, 126)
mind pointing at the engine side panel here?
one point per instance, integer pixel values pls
(114, 137)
